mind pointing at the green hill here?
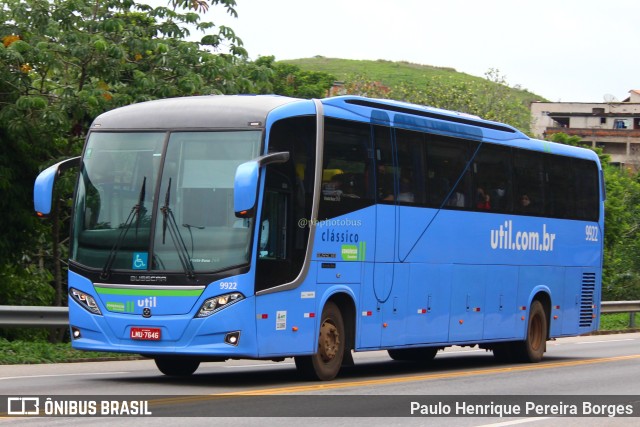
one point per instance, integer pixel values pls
(392, 73)
(436, 86)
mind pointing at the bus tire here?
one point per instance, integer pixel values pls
(176, 367)
(533, 347)
(326, 363)
(421, 354)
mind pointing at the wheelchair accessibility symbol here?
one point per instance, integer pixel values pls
(140, 260)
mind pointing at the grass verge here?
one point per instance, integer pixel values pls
(616, 322)
(25, 352)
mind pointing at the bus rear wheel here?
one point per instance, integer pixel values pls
(326, 363)
(176, 367)
(533, 347)
(421, 355)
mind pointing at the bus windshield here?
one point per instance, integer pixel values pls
(126, 219)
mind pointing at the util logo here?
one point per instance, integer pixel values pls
(148, 302)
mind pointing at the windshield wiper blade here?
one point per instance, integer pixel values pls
(141, 211)
(136, 212)
(169, 221)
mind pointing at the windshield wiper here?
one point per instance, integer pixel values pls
(169, 221)
(136, 213)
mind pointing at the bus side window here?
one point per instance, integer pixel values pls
(411, 164)
(492, 178)
(587, 190)
(385, 172)
(272, 241)
(528, 168)
(446, 175)
(345, 187)
(287, 199)
(559, 189)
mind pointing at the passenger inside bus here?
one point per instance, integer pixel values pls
(483, 200)
(406, 193)
(525, 203)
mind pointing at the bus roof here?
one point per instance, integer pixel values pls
(403, 114)
(251, 111)
(206, 112)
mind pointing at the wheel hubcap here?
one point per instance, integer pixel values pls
(329, 341)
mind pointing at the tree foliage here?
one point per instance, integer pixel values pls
(62, 63)
(621, 279)
(291, 80)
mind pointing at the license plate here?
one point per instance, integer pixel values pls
(146, 334)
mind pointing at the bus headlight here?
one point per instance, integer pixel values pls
(85, 300)
(213, 305)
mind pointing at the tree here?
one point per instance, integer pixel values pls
(63, 62)
(621, 279)
(290, 80)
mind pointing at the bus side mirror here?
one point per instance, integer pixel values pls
(245, 189)
(43, 187)
(245, 186)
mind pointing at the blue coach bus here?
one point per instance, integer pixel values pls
(263, 227)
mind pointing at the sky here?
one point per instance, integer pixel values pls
(562, 50)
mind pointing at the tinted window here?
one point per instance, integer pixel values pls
(572, 188)
(560, 189)
(385, 170)
(528, 177)
(492, 179)
(431, 169)
(586, 189)
(447, 173)
(287, 200)
(420, 169)
(346, 178)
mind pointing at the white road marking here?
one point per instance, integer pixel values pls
(607, 341)
(515, 422)
(62, 375)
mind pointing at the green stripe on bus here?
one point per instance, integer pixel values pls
(150, 292)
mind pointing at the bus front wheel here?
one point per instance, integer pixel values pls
(176, 367)
(326, 363)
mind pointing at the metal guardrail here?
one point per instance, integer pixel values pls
(620, 306)
(33, 316)
(53, 317)
(630, 307)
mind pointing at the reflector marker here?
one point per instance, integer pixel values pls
(309, 315)
(263, 316)
(422, 310)
(367, 313)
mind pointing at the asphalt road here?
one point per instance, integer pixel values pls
(376, 391)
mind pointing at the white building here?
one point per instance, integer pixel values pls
(613, 125)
